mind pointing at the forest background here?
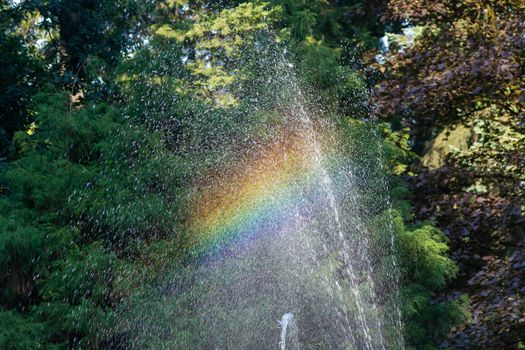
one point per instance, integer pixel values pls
(92, 180)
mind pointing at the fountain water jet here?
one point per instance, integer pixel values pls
(288, 331)
(279, 225)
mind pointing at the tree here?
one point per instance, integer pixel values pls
(19, 77)
(112, 112)
(456, 81)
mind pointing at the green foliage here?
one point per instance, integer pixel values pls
(425, 270)
(215, 40)
(333, 22)
(426, 248)
(19, 76)
(119, 188)
(75, 295)
(19, 332)
(421, 249)
(36, 236)
(88, 28)
(93, 198)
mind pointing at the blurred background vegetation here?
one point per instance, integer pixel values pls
(96, 96)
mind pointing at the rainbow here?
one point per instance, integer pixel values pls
(255, 197)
